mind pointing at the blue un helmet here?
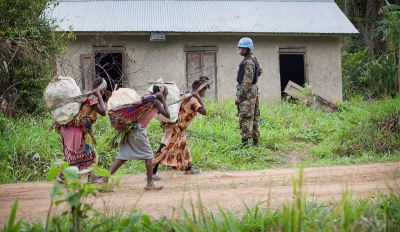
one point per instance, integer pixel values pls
(246, 42)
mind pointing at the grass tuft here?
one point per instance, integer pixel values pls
(359, 132)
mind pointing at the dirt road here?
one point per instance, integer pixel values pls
(273, 186)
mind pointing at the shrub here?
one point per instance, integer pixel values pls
(29, 46)
(371, 77)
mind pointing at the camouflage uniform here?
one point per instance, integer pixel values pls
(249, 110)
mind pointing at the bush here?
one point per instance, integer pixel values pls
(371, 77)
(29, 47)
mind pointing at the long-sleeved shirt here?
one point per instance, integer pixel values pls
(245, 90)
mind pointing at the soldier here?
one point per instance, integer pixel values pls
(247, 93)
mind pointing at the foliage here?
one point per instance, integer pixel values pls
(368, 76)
(378, 212)
(10, 226)
(362, 133)
(359, 131)
(389, 27)
(364, 15)
(29, 46)
(76, 193)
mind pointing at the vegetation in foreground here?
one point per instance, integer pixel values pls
(359, 132)
(379, 212)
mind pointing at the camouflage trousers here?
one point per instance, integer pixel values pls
(249, 111)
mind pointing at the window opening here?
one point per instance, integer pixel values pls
(109, 66)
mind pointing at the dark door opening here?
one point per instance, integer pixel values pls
(291, 67)
(109, 66)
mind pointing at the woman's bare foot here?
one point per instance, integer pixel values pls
(192, 171)
(153, 187)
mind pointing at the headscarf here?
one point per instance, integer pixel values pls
(204, 82)
(102, 85)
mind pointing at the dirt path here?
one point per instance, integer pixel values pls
(227, 188)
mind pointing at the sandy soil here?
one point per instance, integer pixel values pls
(228, 189)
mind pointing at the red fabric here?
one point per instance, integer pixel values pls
(130, 114)
(74, 148)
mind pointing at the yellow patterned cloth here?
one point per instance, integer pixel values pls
(89, 116)
(176, 153)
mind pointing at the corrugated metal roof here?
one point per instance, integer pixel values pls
(217, 16)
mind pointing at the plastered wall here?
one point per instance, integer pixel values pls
(149, 61)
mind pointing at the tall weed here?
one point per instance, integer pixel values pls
(359, 132)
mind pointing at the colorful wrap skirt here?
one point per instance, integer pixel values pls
(74, 148)
(176, 153)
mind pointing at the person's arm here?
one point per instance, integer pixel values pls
(260, 71)
(161, 105)
(101, 107)
(201, 110)
(249, 69)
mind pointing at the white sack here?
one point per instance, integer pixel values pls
(60, 90)
(173, 96)
(121, 97)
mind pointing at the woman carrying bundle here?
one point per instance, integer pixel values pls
(133, 119)
(76, 134)
(174, 151)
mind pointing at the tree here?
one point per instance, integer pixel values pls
(29, 47)
(364, 14)
(389, 28)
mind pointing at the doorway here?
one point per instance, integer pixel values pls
(292, 63)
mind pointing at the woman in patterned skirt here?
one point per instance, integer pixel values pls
(76, 134)
(174, 151)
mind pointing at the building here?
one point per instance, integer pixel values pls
(133, 42)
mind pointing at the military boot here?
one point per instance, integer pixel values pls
(245, 143)
(255, 143)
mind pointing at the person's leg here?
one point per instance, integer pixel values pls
(243, 118)
(155, 166)
(149, 172)
(90, 177)
(116, 165)
(246, 120)
(256, 130)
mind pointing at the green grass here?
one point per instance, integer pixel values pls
(378, 212)
(358, 133)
